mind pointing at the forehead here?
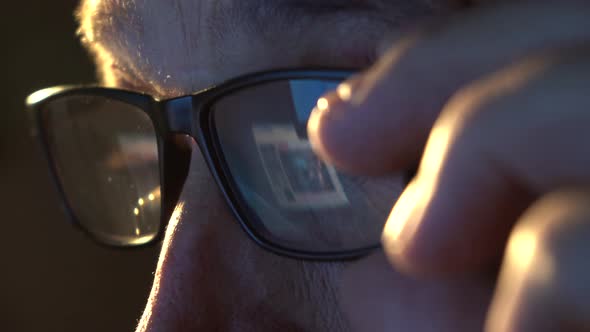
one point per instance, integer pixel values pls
(153, 40)
(180, 46)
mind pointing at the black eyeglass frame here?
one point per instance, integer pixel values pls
(189, 115)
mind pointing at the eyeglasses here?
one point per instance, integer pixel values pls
(120, 171)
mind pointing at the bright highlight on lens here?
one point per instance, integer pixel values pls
(151, 197)
(104, 127)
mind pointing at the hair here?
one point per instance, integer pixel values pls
(107, 28)
(94, 25)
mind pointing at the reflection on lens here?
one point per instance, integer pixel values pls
(106, 156)
(292, 198)
(299, 179)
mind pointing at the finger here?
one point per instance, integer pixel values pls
(380, 121)
(544, 281)
(497, 146)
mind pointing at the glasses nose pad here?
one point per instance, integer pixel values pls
(176, 163)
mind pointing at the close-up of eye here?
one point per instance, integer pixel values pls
(296, 166)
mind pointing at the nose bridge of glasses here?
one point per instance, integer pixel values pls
(179, 115)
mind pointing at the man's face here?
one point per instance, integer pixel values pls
(211, 276)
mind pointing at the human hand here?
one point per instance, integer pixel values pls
(497, 98)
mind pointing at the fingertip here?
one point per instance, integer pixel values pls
(400, 235)
(421, 236)
(332, 132)
(399, 228)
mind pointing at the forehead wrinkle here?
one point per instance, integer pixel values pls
(130, 34)
(148, 41)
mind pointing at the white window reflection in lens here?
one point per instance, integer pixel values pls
(298, 178)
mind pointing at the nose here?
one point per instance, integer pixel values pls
(212, 277)
(200, 265)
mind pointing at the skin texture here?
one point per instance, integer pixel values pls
(210, 276)
(444, 237)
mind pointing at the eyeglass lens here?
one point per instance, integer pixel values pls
(292, 198)
(106, 156)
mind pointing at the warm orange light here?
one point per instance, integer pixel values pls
(436, 151)
(523, 250)
(322, 104)
(89, 34)
(522, 247)
(344, 91)
(87, 11)
(401, 224)
(405, 217)
(140, 240)
(41, 94)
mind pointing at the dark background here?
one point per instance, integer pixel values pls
(52, 278)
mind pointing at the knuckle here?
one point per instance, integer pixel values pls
(558, 222)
